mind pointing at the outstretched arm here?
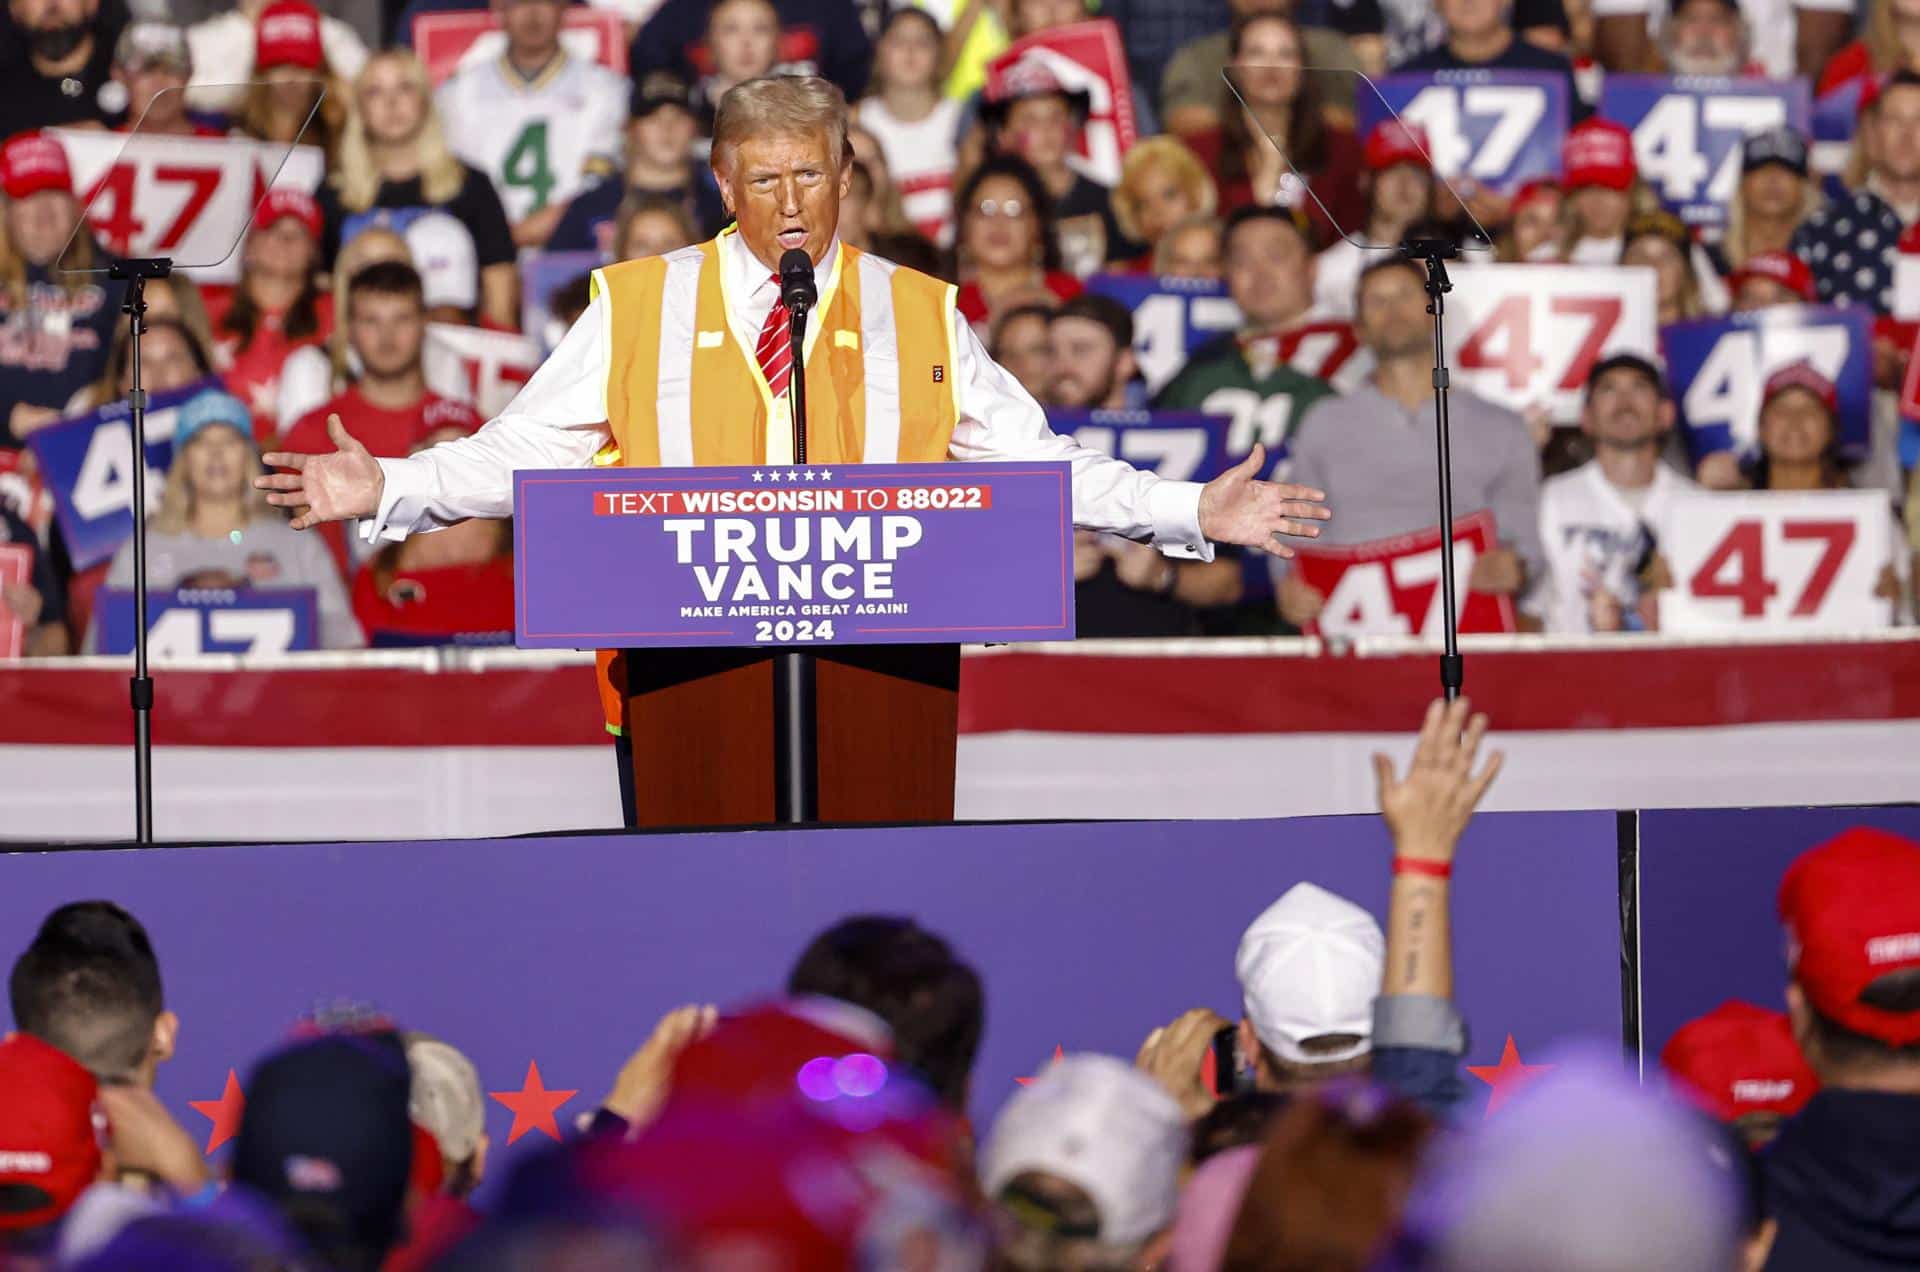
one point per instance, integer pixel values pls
(999, 420)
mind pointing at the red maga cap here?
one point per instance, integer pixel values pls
(48, 1152)
(288, 35)
(1599, 152)
(1739, 1059)
(1782, 267)
(290, 201)
(1392, 141)
(31, 162)
(1852, 912)
(1801, 375)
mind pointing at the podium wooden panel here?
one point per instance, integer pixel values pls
(701, 722)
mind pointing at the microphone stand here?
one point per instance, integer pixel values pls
(796, 787)
(1434, 253)
(135, 273)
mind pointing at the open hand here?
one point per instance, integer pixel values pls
(1237, 507)
(1428, 809)
(347, 483)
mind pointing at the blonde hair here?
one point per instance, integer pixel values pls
(782, 105)
(357, 179)
(1185, 166)
(1734, 242)
(68, 271)
(1882, 38)
(176, 498)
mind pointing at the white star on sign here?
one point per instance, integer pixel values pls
(810, 474)
(756, 474)
(826, 474)
(793, 475)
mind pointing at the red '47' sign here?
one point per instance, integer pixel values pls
(1391, 587)
(1527, 335)
(1781, 561)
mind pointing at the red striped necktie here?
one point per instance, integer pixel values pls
(775, 351)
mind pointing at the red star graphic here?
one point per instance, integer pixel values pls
(1507, 1077)
(224, 1112)
(533, 1105)
(1059, 1054)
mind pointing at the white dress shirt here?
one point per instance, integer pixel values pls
(559, 420)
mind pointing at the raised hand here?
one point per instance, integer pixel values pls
(1237, 507)
(643, 1082)
(347, 483)
(1428, 809)
(1173, 1056)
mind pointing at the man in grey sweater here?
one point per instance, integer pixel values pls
(1372, 450)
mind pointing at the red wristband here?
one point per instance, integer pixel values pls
(1413, 865)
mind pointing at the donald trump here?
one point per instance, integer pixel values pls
(685, 359)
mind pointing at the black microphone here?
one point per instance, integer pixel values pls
(796, 280)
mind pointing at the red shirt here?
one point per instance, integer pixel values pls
(1336, 184)
(972, 302)
(434, 606)
(252, 371)
(389, 434)
(1852, 62)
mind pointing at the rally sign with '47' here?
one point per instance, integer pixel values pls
(1688, 130)
(1391, 587)
(1491, 128)
(1764, 561)
(1526, 336)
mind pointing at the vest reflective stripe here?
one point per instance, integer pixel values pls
(880, 350)
(681, 391)
(673, 399)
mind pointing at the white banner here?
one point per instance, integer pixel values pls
(497, 363)
(1525, 336)
(1777, 561)
(188, 198)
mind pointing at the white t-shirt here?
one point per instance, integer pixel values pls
(922, 157)
(1771, 25)
(1594, 539)
(543, 141)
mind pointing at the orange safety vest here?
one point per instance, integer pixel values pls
(681, 391)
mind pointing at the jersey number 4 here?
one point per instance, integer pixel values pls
(526, 164)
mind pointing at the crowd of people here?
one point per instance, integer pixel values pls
(439, 188)
(827, 1125)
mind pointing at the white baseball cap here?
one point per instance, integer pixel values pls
(1310, 966)
(446, 1101)
(1103, 1126)
(442, 250)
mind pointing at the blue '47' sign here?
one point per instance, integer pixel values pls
(87, 462)
(1171, 318)
(1489, 128)
(1719, 366)
(193, 621)
(1687, 132)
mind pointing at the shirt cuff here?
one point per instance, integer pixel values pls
(408, 478)
(1621, 8)
(1418, 1020)
(1174, 507)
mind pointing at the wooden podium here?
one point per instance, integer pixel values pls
(705, 729)
(792, 634)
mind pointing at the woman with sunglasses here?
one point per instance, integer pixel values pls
(1004, 251)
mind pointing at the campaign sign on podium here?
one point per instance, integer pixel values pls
(861, 554)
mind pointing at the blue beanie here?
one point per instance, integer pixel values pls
(214, 406)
